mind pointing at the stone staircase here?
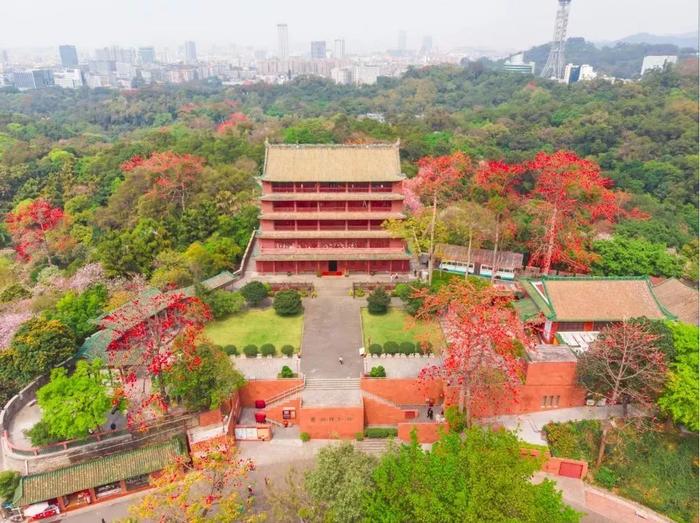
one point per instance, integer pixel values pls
(332, 384)
(331, 392)
(374, 447)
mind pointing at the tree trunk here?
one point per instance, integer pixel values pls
(432, 241)
(495, 248)
(550, 243)
(469, 253)
(601, 447)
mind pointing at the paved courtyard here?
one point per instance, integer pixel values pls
(332, 328)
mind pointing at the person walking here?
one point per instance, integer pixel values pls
(250, 491)
(430, 413)
(340, 360)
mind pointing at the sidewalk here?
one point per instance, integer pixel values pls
(599, 505)
(528, 427)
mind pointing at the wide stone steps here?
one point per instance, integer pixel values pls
(332, 384)
(375, 447)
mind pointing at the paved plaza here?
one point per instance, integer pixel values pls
(332, 329)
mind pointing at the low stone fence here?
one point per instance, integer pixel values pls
(303, 287)
(369, 286)
(265, 367)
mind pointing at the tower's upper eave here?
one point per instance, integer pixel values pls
(332, 163)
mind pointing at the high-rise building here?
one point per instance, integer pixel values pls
(427, 45)
(318, 50)
(403, 40)
(69, 56)
(323, 207)
(657, 62)
(32, 79)
(190, 52)
(339, 48)
(516, 64)
(147, 55)
(282, 41)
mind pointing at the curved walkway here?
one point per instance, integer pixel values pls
(601, 506)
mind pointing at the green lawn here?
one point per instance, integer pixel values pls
(256, 326)
(396, 325)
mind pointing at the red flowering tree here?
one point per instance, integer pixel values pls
(625, 365)
(233, 121)
(499, 181)
(210, 488)
(30, 225)
(485, 342)
(569, 195)
(148, 337)
(435, 183)
(173, 175)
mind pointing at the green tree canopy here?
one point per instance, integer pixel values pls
(634, 257)
(206, 385)
(680, 397)
(79, 311)
(40, 344)
(72, 406)
(339, 482)
(480, 477)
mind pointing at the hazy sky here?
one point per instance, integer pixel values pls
(365, 24)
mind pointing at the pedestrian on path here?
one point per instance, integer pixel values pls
(250, 491)
(340, 360)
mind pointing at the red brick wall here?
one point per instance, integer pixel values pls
(377, 413)
(265, 389)
(331, 422)
(541, 379)
(425, 432)
(403, 391)
(275, 412)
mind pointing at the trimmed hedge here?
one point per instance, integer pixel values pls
(231, 350)
(287, 350)
(251, 351)
(391, 347)
(375, 348)
(268, 349)
(407, 347)
(381, 432)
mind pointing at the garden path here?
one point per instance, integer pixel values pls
(332, 328)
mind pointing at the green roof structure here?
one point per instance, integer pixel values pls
(101, 471)
(590, 298)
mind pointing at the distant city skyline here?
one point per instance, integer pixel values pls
(496, 24)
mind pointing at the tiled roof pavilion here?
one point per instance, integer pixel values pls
(594, 299)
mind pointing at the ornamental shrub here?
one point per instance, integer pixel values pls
(391, 347)
(251, 351)
(267, 349)
(377, 372)
(375, 348)
(287, 350)
(606, 477)
(381, 432)
(13, 292)
(287, 302)
(231, 350)
(407, 347)
(286, 372)
(425, 347)
(222, 303)
(378, 301)
(304, 436)
(254, 293)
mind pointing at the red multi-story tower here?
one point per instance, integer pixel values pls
(323, 207)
